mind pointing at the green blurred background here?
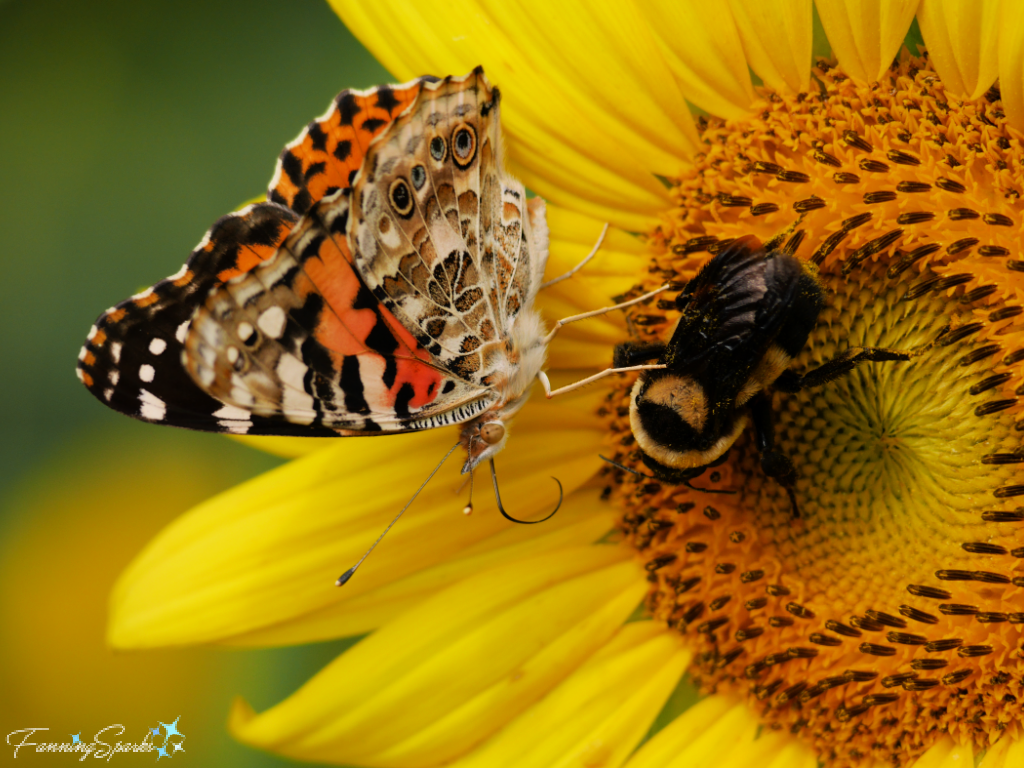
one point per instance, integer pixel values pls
(126, 129)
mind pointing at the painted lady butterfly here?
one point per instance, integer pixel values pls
(387, 285)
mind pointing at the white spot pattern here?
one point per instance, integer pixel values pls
(150, 406)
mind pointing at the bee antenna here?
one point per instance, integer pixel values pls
(343, 579)
(624, 468)
(706, 490)
(652, 477)
(507, 516)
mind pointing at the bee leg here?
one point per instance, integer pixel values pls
(632, 353)
(774, 464)
(791, 381)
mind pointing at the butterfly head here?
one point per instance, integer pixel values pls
(482, 438)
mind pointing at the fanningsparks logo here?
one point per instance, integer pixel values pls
(164, 739)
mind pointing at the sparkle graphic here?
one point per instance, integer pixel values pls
(75, 738)
(172, 729)
(161, 752)
(178, 747)
(156, 731)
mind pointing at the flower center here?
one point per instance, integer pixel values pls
(892, 610)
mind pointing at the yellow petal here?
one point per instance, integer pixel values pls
(589, 112)
(1005, 753)
(777, 39)
(597, 716)
(935, 756)
(701, 43)
(445, 676)
(1011, 62)
(268, 550)
(723, 732)
(866, 35)
(963, 43)
(583, 519)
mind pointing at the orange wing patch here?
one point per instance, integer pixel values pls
(329, 152)
(356, 323)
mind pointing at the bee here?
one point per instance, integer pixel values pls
(745, 317)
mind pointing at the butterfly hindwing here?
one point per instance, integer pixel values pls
(439, 229)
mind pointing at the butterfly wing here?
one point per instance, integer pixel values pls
(302, 338)
(132, 359)
(329, 152)
(443, 238)
(412, 329)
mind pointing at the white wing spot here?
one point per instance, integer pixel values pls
(146, 373)
(80, 375)
(92, 333)
(180, 273)
(157, 346)
(82, 353)
(108, 393)
(182, 331)
(272, 322)
(245, 330)
(115, 351)
(232, 353)
(232, 413)
(150, 406)
(115, 376)
(235, 427)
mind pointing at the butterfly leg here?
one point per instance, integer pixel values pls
(549, 392)
(578, 267)
(791, 381)
(774, 464)
(604, 310)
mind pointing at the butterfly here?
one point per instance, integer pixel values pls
(386, 285)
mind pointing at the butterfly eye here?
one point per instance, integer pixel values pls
(437, 148)
(464, 146)
(401, 198)
(492, 432)
(418, 176)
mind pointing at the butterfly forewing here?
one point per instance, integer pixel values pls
(327, 155)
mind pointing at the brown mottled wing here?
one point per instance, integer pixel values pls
(442, 236)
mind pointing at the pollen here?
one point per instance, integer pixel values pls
(891, 611)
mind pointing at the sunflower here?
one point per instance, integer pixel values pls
(882, 627)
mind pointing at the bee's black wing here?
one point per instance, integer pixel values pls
(732, 312)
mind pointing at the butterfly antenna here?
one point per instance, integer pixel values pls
(468, 509)
(343, 579)
(507, 516)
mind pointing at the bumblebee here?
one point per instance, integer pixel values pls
(745, 316)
